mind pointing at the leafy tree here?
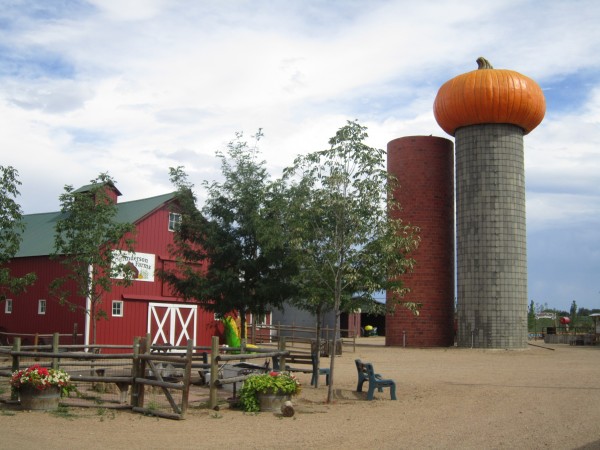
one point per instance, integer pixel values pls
(347, 245)
(573, 313)
(531, 316)
(229, 258)
(11, 230)
(89, 242)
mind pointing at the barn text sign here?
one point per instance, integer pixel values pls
(141, 264)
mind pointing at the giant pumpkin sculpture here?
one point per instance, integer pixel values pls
(489, 95)
(488, 111)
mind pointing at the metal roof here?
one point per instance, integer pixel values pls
(38, 237)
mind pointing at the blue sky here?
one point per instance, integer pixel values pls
(134, 87)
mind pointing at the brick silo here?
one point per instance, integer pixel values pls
(489, 111)
(424, 166)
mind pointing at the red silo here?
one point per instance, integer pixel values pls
(424, 167)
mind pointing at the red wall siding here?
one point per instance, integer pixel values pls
(25, 318)
(152, 237)
(122, 330)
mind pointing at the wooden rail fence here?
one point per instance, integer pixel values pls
(144, 365)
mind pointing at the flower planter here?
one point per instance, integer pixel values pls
(39, 400)
(271, 402)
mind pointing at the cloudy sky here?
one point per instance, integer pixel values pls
(133, 87)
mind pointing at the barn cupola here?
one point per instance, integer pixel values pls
(111, 193)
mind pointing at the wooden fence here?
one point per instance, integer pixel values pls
(132, 369)
(41, 339)
(299, 335)
(143, 365)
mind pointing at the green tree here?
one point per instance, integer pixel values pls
(531, 316)
(573, 313)
(89, 242)
(347, 246)
(229, 258)
(11, 230)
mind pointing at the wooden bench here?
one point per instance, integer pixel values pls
(303, 358)
(366, 372)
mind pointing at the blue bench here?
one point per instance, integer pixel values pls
(366, 372)
(321, 371)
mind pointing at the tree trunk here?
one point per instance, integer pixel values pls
(243, 324)
(337, 304)
(318, 344)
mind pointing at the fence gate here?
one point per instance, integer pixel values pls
(172, 324)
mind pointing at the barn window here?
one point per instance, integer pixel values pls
(42, 307)
(117, 308)
(261, 319)
(174, 221)
(8, 306)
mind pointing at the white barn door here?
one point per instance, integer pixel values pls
(172, 324)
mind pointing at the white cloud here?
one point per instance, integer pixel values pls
(129, 10)
(562, 166)
(135, 86)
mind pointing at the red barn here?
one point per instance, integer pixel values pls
(147, 306)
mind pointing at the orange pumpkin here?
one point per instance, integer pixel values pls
(489, 95)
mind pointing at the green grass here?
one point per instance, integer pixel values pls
(104, 413)
(64, 412)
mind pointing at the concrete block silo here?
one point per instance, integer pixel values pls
(489, 111)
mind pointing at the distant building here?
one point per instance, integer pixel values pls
(545, 315)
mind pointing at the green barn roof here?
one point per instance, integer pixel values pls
(38, 237)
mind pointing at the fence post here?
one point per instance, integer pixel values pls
(214, 372)
(74, 337)
(14, 395)
(281, 348)
(253, 331)
(55, 341)
(186, 377)
(278, 330)
(36, 340)
(135, 370)
(145, 349)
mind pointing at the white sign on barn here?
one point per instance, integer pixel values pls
(142, 264)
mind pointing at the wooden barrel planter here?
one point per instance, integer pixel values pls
(39, 400)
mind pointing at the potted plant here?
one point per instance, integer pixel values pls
(41, 388)
(268, 391)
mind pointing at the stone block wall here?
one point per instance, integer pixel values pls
(491, 237)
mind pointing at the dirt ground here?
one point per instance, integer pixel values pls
(538, 398)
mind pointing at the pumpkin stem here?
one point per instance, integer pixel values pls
(483, 63)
